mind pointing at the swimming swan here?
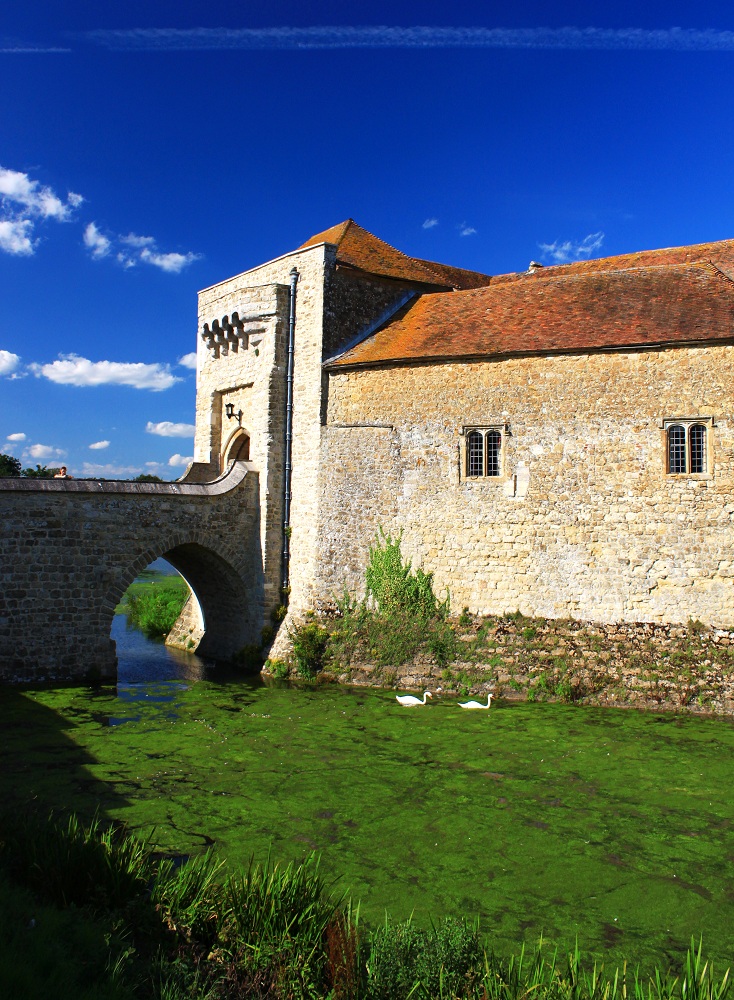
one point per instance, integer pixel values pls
(408, 700)
(476, 704)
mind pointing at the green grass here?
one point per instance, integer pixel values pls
(153, 603)
(197, 931)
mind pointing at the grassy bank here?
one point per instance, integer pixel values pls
(89, 911)
(153, 603)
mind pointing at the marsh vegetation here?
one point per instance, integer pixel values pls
(149, 928)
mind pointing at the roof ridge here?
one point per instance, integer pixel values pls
(664, 266)
(415, 260)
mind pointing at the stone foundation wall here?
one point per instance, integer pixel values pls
(674, 668)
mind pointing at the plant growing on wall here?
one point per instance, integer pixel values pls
(395, 587)
(400, 615)
(309, 647)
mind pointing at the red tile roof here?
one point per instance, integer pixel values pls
(658, 297)
(721, 253)
(356, 248)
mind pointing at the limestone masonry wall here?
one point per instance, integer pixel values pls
(71, 548)
(583, 523)
(254, 381)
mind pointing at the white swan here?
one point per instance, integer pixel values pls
(476, 704)
(408, 700)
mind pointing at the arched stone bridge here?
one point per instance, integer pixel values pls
(70, 548)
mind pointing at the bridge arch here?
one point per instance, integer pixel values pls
(225, 592)
(74, 546)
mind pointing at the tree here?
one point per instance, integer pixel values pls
(40, 472)
(9, 467)
(145, 477)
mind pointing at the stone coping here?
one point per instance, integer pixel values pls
(232, 478)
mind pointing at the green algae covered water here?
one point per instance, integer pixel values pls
(612, 826)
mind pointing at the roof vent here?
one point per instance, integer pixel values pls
(534, 266)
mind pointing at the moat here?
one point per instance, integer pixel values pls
(607, 825)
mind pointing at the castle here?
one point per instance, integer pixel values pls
(558, 441)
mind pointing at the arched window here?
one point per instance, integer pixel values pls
(687, 450)
(676, 449)
(483, 451)
(475, 454)
(494, 452)
(697, 447)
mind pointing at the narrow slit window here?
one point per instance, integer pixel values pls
(697, 447)
(474, 454)
(677, 449)
(494, 452)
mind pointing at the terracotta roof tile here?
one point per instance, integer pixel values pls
(721, 253)
(361, 250)
(574, 308)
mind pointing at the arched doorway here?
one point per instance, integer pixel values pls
(237, 448)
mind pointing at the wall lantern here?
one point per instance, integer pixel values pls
(229, 410)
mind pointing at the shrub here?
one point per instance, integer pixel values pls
(309, 646)
(395, 588)
(407, 961)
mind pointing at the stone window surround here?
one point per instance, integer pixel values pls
(707, 422)
(503, 429)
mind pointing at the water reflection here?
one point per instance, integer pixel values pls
(150, 672)
(140, 660)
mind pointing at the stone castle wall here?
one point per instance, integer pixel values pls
(256, 383)
(72, 547)
(584, 522)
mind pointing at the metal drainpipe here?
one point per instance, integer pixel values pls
(288, 435)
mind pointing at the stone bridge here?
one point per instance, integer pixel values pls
(72, 547)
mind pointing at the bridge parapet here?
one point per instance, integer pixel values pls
(229, 480)
(72, 547)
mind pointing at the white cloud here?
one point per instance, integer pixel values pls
(132, 240)
(430, 223)
(23, 202)
(70, 369)
(170, 430)
(96, 242)
(16, 437)
(92, 469)
(188, 360)
(9, 47)
(568, 250)
(19, 189)
(8, 362)
(134, 249)
(419, 37)
(43, 451)
(15, 237)
(465, 230)
(180, 459)
(99, 445)
(174, 263)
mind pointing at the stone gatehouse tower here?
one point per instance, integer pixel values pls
(558, 441)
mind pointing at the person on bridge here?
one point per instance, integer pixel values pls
(62, 474)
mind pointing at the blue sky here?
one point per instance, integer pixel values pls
(150, 149)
